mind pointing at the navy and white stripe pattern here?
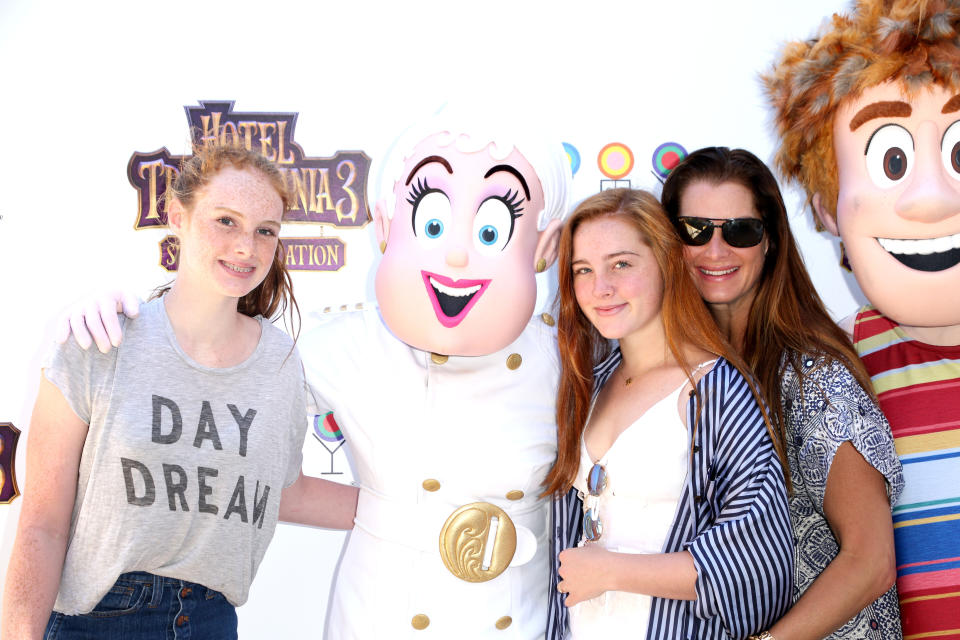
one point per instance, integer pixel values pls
(734, 521)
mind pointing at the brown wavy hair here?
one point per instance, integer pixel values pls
(686, 320)
(787, 317)
(914, 42)
(274, 296)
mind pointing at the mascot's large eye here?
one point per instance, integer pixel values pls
(889, 155)
(492, 226)
(950, 150)
(431, 217)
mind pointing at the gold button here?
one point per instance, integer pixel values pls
(547, 319)
(439, 358)
(359, 305)
(516, 494)
(343, 307)
(420, 622)
(513, 362)
(431, 485)
(504, 622)
(326, 309)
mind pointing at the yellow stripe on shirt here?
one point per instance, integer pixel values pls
(924, 442)
(908, 523)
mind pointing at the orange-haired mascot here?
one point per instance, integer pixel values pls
(868, 115)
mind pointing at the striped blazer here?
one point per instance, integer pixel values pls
(732, 517)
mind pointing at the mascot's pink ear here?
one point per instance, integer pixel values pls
(381, 222)
(828, 221)
(548, 243)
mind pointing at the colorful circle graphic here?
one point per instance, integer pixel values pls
(573, 156)
(615, 160)
(326, 428)
(666, 157)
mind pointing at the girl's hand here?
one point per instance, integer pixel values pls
(584, 572)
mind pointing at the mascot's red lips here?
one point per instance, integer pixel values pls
(452, 299)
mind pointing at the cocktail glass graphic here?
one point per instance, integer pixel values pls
(326, 430)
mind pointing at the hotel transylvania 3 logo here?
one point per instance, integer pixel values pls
(327, 191)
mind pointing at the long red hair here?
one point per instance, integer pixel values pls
(686, 320)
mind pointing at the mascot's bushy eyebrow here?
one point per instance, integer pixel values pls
(909, 41)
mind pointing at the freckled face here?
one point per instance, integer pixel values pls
(229, 236)
(457, 276)
(616, 279)
(725, 276)
(898, 207)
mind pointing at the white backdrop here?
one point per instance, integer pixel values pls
(87, 84)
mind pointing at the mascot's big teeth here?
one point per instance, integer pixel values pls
(921, 247)
(454, 291)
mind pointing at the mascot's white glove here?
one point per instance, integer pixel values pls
(97, 316)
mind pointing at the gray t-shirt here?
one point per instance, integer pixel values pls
(183, 464)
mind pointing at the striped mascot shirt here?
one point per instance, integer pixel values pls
(918, 386)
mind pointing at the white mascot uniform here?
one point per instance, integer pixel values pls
(446, 393)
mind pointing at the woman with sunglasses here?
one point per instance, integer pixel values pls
(677, 526)
(831, 436)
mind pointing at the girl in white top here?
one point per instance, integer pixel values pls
(622, 278)
(645, 468)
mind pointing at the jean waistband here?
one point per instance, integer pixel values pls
(159, 582)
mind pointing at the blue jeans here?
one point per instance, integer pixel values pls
(142, 606)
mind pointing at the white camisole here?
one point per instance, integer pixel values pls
(646, 467)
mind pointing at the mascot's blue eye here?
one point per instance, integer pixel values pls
(488, 234)
(433, 228)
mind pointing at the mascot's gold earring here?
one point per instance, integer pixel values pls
(541, 265)
(383, 246)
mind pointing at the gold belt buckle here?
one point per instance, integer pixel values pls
(477, 542)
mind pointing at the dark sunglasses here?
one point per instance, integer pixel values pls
(596, 483)
(737, 232)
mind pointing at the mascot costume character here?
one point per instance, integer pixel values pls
(868, 115)
(446, 392)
